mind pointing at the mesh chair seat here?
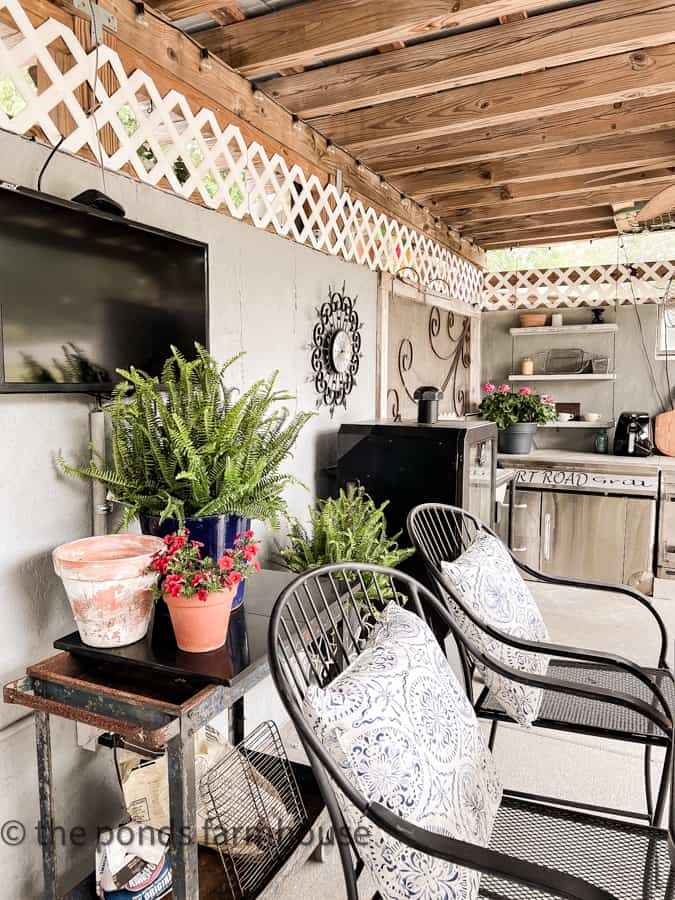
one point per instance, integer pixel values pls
(630, 861)
(570, 712)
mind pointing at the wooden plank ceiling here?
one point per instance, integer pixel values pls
(514, 121)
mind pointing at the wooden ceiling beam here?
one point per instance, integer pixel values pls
(552, 236)
(597, 82)
(634, 151)
(466, 219)
(319, 30)
(448, 204)
(542, 221)
(517, 138)
(550, 39)
(175, 62)
(182, 9)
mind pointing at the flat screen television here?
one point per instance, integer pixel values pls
(84, 293)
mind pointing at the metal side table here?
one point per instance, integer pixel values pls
(155, 696)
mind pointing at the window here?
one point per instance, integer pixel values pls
(665, 332)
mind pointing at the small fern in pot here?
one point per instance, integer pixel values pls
(188, 449)
(349, 528)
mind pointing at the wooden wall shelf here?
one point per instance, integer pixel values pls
(605, 328)
(611, 376)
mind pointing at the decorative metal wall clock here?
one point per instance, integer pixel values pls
(336, 350)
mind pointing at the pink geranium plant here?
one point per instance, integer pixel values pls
(504, 407)
(183, 572)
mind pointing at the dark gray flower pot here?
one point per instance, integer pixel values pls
(517, 438)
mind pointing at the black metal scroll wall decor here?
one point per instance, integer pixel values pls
(458, 359)
(336, 350)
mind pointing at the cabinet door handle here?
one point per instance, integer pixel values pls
(547, 537)
(520, 505)
(519, 549)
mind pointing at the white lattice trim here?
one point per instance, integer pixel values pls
(218, 166)
(609, 285)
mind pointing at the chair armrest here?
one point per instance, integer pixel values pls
(559, 650)
(559, 884)
(590, 692)
(624, 589)
(610, 660)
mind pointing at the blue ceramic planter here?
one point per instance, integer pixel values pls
(217, 533)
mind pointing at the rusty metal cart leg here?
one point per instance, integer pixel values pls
(47, 832)
(183, 810)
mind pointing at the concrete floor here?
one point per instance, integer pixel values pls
(578, 768)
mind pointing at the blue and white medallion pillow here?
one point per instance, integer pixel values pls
(488, 582)
(404, 733)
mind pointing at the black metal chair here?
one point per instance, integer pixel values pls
(441, 533)
(538, 851)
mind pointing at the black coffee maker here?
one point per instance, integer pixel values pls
(633, 435)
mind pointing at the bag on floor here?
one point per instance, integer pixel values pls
(132, 863)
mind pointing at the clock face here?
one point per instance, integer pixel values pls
(341, 351)
(336, 350)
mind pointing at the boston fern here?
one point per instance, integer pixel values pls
(187, 445)
(351, 528)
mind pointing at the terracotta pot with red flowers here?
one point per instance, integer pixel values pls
(199, 590)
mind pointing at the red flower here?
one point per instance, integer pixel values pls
(225, 563)
(250, 552)
(173, 585)
(256, 565)
(503, 389)
(174, 543)
(525, 391)
(197, 578)
(248, 534)
(160, 564)
(235, 577)
(489, 388)
(202, 594)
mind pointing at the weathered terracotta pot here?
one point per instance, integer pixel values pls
(110, 592)
(201, 625)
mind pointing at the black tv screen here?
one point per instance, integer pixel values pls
(83, 293)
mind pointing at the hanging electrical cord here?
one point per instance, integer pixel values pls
(51, 156)
(94, 102)
(633, 274)
(90, 112)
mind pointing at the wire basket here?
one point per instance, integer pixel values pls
(255, 810)
(561, 362)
